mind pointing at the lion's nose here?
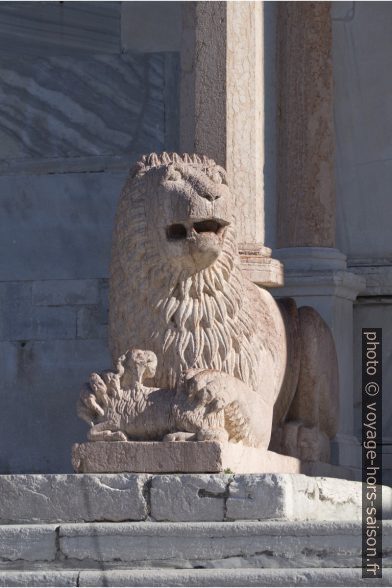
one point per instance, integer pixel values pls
(179, 231)
(207, 226)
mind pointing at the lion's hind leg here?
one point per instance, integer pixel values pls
(312, 419)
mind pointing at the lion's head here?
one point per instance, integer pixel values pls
(190, 207)
(176, 285)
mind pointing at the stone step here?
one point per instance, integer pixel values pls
(183, 530)
(59, 498)
(199, 577)
(276, 544)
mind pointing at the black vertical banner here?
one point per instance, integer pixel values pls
(371, 453)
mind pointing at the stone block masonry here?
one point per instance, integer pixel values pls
(69, 292)
(57, 221)
(50, 309)
(28, 543)
(206, 544)
(60, 498)
(67, 498)
(148, 544)
(80, 106)
(184, 530)
(194, 577)
(244, 553)
(52, 332)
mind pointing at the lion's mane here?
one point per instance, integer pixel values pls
(209, 320)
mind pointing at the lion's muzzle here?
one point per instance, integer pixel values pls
(178, 231)
(198, 241)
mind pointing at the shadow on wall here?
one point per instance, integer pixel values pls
(77, 109)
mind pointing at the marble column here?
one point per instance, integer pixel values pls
(222, 113)
(315, 271)
(306, 178)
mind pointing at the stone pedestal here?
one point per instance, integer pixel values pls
(43, 499)
(192, 457)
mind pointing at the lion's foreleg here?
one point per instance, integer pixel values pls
(236, 412)
(106, 431)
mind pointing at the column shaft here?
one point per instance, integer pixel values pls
(222, 101)
(315, 272)
(306, 176)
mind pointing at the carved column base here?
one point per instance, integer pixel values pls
(259, 267)
(192, 457)
(318, 277)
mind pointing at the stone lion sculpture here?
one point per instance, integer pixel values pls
(202, 353)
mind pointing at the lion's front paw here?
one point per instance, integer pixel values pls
(179, 436)
(118, 436)
(113, 436)
(100, 432)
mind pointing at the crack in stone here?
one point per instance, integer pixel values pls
(36, 493)
(227, 494)
(146, 492)
(58, 553)
(202, 493)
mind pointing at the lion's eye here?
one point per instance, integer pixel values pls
(173, 175)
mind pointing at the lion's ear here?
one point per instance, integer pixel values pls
(172, 174)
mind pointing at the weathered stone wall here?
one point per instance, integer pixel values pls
(363, 122)
(82, 96)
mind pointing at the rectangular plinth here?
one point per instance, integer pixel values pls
(191, 457)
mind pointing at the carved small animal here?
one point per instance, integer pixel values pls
(176, 288)
(118, 413)
(139, 412)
